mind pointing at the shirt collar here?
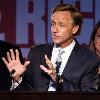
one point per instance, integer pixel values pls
(66, 49)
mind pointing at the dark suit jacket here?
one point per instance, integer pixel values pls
(80, 73)
(5, 79)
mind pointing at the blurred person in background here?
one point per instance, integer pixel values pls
(5, 77)
(94, 44)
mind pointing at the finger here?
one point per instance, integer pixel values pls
(17, 54)
(48, 62)
(45, 69)
(12, 54)
(5, 61)
(8, 56)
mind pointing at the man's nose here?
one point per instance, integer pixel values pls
(55, 29)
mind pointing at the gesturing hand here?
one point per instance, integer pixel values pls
(50, 69)
(13, 63)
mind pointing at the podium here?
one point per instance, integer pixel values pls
(49, 95)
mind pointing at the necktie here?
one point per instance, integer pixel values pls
(58, 64)
(59, 61)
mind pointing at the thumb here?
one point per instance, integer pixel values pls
(26, 63)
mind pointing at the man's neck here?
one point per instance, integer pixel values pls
(64, 46)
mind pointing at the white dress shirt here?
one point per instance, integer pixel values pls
(65, 56)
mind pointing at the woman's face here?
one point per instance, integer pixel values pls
(97, 41)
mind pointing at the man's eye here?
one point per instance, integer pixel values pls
(61, 25)
(98, 36)
(52, 24)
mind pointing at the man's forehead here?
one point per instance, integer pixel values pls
(61, 18)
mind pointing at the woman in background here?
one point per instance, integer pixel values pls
(94, 44)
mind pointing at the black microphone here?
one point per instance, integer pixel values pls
(11, 73)
(59, 83)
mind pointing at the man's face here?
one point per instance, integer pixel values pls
(62, 28)
(97, 41)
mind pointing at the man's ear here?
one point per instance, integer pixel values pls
(75, 29)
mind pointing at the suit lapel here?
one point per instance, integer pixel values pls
(73, 61)
(47, 49)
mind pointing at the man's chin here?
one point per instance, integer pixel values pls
(56, 42)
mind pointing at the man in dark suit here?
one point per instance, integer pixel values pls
(5, 78)
(61, 66)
